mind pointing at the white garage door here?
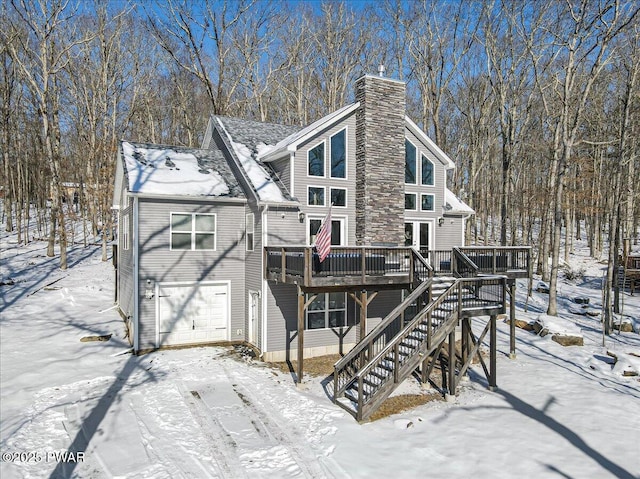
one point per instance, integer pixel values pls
(193, 313)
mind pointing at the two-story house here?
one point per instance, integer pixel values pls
(209, 239)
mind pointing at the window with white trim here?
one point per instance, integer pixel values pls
(410, 201)
(339, 154)
(249, 230)
(427, 171)
(124, 231)
(193, 231)
(327, 310)
(315, 196)
(410, 166)
(315, 160)
(427, 203)
(338, 197)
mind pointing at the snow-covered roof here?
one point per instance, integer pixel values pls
(291, 142)
(249, 140)
(454, 205)
(177, 171)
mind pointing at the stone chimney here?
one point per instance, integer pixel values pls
(380, 161)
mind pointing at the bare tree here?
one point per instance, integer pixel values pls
(580, 37)
(41, 56)
(438, 41)
(188, 31)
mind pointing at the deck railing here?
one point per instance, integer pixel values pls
(359, 262)
(440, 260)
(499, 259)
(488, 260)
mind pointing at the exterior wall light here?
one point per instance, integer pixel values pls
(149, 290)
(440, 220)
(301, 216)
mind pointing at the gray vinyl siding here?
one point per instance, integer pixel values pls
(283, 167)
(125, 266)
(450, 234)
(284, 227)
(159, 264)
(282, 311)
(301, 180)
(282, 305)
(382, 305)
(253, 270)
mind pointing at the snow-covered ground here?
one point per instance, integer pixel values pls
(205, 412)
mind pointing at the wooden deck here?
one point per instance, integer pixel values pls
(345, 267)
(389, 268)
(511, 261)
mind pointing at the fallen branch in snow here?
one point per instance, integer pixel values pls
(46, 286)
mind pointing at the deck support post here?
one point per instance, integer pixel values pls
(363, 301)
(301, 307)
(512, 320)
(466, 327)
(493, 346)
(451, 379)
(363, 314)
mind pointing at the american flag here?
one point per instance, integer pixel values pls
(323, 237)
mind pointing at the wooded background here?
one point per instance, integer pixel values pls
(536, 102)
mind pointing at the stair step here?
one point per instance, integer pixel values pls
(417, 335)
(381, 372)
(353, 395)
(408, 344)
(371, 381)
(386, 364)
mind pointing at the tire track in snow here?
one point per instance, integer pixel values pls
(177, 458)
(219, 443)
(266, 408)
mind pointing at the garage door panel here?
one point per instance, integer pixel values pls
(193, 313)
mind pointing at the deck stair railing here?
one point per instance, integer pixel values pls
(368, 374)
(453, 262)
(388, 328)
(463, 267)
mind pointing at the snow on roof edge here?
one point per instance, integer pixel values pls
(454, 205)
(260, 180)
(292, 141)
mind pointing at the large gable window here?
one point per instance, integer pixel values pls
(409, 162)
(315, 158)
(193, 231)
(427, 171)
(339, 154)
(327, 310)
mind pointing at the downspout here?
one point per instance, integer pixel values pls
(136, 274)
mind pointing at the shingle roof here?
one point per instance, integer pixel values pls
(304, 133)
(178, 171)
(248, 139)
(253, 133)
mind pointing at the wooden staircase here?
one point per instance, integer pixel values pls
(409, 336)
